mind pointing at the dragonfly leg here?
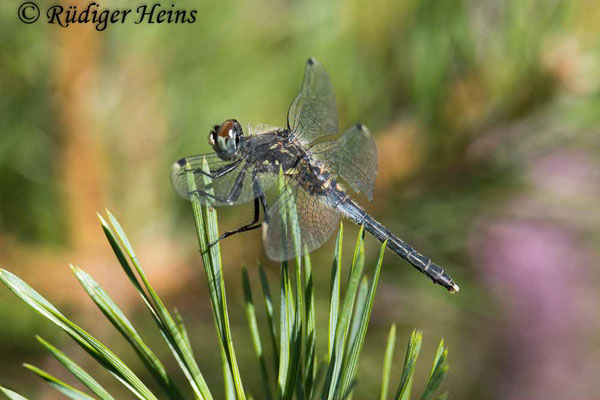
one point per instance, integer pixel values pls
(254, 224)
(220, 171)
(213, 174)
(248, 227)
(212, 196)
(236, 188)
(234, 192)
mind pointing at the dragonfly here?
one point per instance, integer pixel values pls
(313, 159)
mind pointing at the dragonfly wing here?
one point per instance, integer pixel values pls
(232, 182)
(313, 112)
(353, 157)
(317, 220)
(260, 129)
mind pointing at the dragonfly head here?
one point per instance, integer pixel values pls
(226, 139)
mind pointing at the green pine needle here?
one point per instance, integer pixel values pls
(90, 344)
(208, 233)
(387, 363)
(412, 353)
(77, 371)
(253, 325)
(163, 319)
(59, 385)
(12, 395)
(124, 326)
(438, 373)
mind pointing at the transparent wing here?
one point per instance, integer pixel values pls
(231, 182)
(317, 220)
(313, 113)
(353, 157)
(260, 129)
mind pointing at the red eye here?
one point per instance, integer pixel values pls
(225, 128)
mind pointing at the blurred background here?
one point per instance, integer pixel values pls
(486, 115)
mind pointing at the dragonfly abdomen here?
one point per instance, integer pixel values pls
(357, 214)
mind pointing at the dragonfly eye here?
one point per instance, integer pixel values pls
(212, 136)
(225, 139)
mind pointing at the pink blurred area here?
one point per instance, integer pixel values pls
(540, 262)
